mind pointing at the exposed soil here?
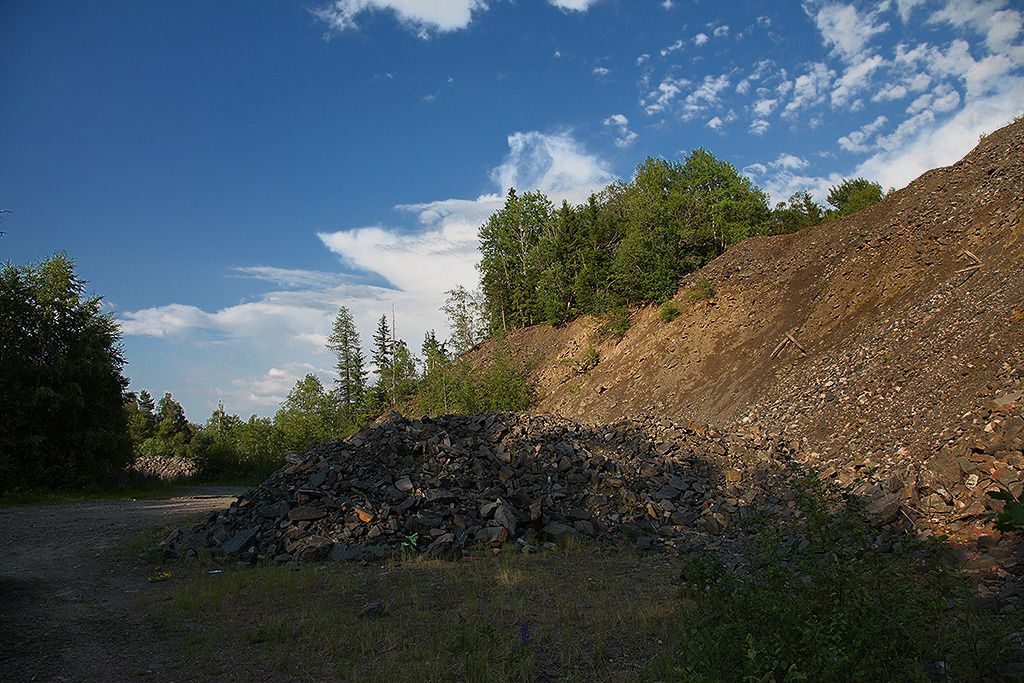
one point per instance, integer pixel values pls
(69, 595)
(901, 338)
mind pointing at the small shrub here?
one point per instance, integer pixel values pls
(700, 290)
(616, 322)
(1012, 516)
(669, 311)
(588, 361)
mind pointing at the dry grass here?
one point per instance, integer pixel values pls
(577, 614)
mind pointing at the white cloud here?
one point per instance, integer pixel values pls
(857, 141)
(941, 145)
(661, 98)
(721, 31)
(759, 126)
(743, 87)
(600, 71)
(889, 92)
(988, 18)
(666, 51)
(624, 137)
(715, 123)
(790, 162)
(573, 5)
(700, 39)
(642, 58)
(424, 18)
(765, 107)
(705, 95)
(844, 28)
(906, 7)
(855, 79)
(809, 88)
(290, 277)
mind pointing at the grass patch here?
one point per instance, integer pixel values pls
(668, 311)
(700, 290)
(832, 608)
(614, 323)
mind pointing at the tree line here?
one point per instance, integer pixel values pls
(67, 419)
(227, 447)
(633, 241)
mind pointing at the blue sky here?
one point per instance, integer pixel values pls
(227, 174)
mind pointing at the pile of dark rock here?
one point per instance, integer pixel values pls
(453, 485)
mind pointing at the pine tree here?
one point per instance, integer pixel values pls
(383, 355)
(351, 380)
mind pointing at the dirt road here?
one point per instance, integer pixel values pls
(69, 593)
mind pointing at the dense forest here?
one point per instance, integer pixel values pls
(632, 242)
(66, 419)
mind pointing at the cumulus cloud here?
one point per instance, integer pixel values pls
(624, 137)
(759, 126)
(940, 145)
(846, 29)
(424, 18)
(809, 88)
(601, 71)
(854, 79)
(700, 39)
(790, 162)
(857, 141)
(704, 96)
(662, 97)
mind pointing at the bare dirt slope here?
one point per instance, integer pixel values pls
(901, 343)
(69, 602)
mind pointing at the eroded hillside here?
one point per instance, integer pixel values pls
(900, 343)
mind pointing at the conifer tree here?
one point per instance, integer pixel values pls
(351, 380)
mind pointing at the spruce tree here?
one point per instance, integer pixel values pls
(383, 355)
(351, 380)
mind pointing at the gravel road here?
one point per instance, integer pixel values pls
(69, 593)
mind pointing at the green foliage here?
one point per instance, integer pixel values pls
(837, 609)
(1011, 518)
(800, 212)
(629, 244)
(853, 195)
(587, 361)
(452, 386)
(614, 322)
(508, 261)
(463, 311)
(309, 415)
(700, 290)
(668, 311)
(350, 384)
(62, 421)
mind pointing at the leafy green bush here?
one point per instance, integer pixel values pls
(668, 311)
(835, 609)
(700, 290)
